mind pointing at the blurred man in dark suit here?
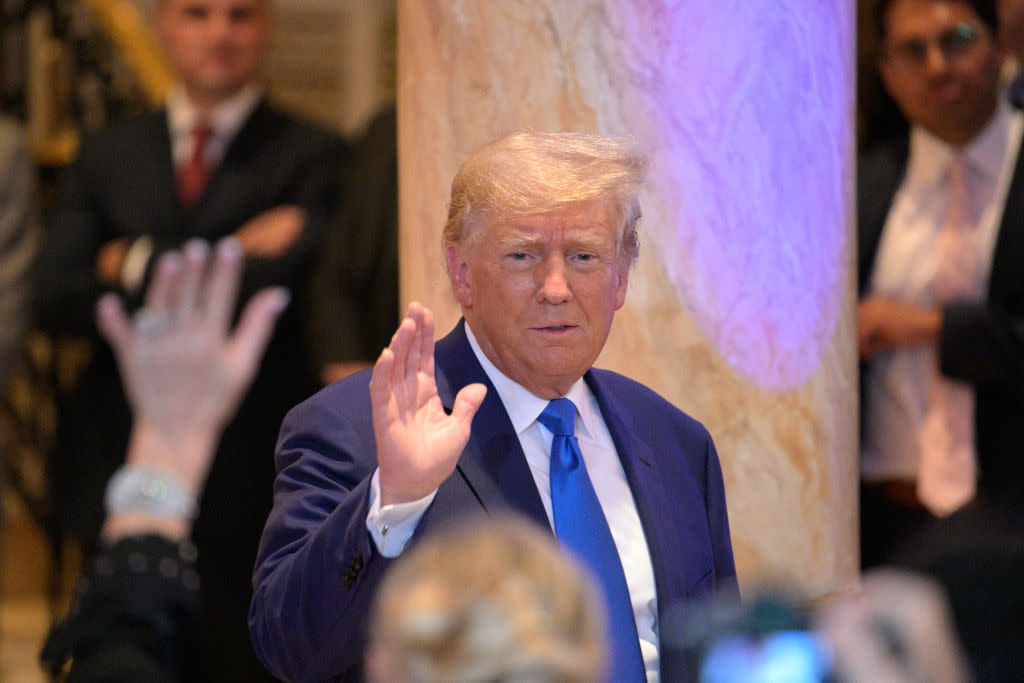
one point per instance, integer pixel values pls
(218, 160)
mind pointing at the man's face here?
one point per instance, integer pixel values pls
(214, 45)
(540, 291)
(941, 64)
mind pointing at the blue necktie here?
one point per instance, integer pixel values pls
(581, 527)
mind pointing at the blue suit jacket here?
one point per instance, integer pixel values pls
(318, 567)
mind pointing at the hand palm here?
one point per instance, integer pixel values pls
(418, 443)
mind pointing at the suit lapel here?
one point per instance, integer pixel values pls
(233, 178)
(668, 536)
(159, 167)
(879, 175)
(1004, 280)
(493, 463)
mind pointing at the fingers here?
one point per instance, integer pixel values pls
(380, 380)
(467, 402)
(410, 352)
(412, 359)
(161, 290)
(427, 343)
(113, 322)
(193, 266)
(400, 343)
(222, 284)
(250, 338)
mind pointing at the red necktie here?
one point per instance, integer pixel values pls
(193, 174)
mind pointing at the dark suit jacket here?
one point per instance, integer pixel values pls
(318, 567)
(122, 186)
(981, 344)
(354, 291)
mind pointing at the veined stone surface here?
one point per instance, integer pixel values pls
(741, 308)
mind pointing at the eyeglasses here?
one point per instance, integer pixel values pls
(953, 43)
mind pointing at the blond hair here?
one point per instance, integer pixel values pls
(492, 600)
(528, 173)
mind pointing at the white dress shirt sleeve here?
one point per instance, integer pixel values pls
(391, 526)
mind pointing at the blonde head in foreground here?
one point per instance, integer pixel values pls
(494, 600)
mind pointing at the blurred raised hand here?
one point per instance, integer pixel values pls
(183, 368)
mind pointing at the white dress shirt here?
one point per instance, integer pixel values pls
(392, 526)
(225, 120)
(897, 381)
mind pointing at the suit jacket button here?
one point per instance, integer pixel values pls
(352, 572)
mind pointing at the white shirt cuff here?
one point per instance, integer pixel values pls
(392, 526)
(133, 271)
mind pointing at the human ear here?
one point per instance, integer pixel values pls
(458, 274)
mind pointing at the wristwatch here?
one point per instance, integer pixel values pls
(149, 490)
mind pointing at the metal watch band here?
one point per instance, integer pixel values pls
(149, 490)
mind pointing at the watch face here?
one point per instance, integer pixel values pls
(136, 489)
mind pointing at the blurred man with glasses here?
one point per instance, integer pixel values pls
(941, 265)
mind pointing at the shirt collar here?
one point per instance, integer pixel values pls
(523, 407)
(225, 119)
(930, 156)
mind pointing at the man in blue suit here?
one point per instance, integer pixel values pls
(540, 238)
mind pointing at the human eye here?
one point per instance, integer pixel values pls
(912, 51)
(586, 258)
(241, 15)
(518, 258)
(195, 12)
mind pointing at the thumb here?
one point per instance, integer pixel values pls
(113, 322)
(467, 402)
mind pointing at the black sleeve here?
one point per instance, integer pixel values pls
(130, 610)
(982, 343)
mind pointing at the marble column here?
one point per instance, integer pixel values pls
(741, 309)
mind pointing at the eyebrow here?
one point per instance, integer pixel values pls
(525, 242)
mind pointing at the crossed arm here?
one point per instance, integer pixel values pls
(977, 342)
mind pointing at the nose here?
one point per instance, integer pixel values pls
(553, 281)
(219, 24)
(935, 60)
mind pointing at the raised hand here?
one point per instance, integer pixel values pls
(418, 444)
(183, 370)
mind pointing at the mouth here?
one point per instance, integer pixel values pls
(945, 90)
(556, 329)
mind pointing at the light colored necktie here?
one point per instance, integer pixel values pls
(946, 477)
(581, 528)
(193, 174)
